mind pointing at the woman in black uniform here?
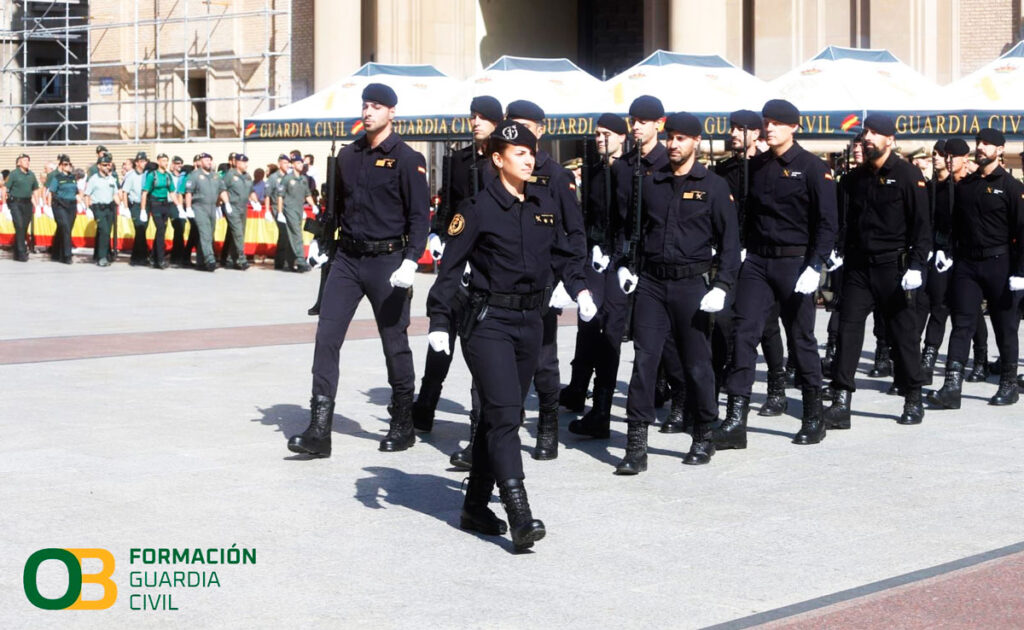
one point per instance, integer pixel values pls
(512, 236)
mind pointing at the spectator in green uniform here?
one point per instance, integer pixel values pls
(281, 255)
(158, 196)
(21, 186)
(238, 183)
(62, 190)
(293, 195)
(102, 197)
(203, 191)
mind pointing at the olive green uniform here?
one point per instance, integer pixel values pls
(239, 187)
(205, 188)
(294, 189)
(20, 186)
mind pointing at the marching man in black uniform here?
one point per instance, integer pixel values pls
(512, 235)
(469, 172)
(789, 234)
(687, 211)
(888, 237)
(384, 215)
(988, 249)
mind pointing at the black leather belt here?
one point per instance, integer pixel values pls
(782, 251)
(878, 258)
(664, 271)
(516, 301)
(981, 253)
(354, 247)
(103, 205)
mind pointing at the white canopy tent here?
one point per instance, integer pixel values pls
(996, 86)
(559, 86)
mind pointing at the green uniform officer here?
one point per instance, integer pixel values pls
(293, 195)
(21, 185)
(158, 196)
(63, 189)
(101, 195)
(238, 183)
(282, 252)
(203, 191)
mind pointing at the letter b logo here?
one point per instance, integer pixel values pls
(72, 598)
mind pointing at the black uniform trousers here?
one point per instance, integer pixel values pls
(876, 288)
(599, 341)
(976, 279)
(64, 213)
(546, 379)
(502, 355)
(723, 338)
(105, 215)
(933, 310)
(763, 281)
(667, 309)
(160, 211)
(439, 363)
(351, 278)
(140, 248)
(178, 254)
(21, 214)
(284, 256)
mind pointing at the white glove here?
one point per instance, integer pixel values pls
(807, 283)
(255, 207)
(123, 211)
(143, 217)
(315, 257)
(227, 208)
(943, 263)
(713, 301)
(930, 254)
(269, 216)
(436, 246)
(560, 298)
(404, 276)
(48, 210)
(743, 254)
(181, 212)
(280, 217)
(438, 341)
(912, 280)
(1017, 283)
(587, 307)
(190, 212)
(219, 212)
(89, 215)
(627, 280)
(600, 260)
(835, 261)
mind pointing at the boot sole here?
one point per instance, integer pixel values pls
(628, 472)
(819, 441)
(939, 405)
(1004, 403)
(544, 457)
(770, 413)
(470, 526)
(731, 446)
(672, 428)
(461, 464)
(529, 538)
(296, 448)
(395, 448)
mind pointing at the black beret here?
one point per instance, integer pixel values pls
(284, 156)
(241, 157)
(647, 107)
(613, 123)
(488, 107)
(684, 123)
(880, 123)
(782, 111)
(204, 154)
(745, 119)
(525, 110)
(957, 147)
(297, 157)
(105, 159)
(991, 136)
(940, 146)
(515, 133)
(380, 93)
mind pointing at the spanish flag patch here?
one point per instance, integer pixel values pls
(828, 176)
(920, 184)
(421, 170)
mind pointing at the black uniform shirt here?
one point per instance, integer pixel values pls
(731, 170)
(942, 211)
(599, 192)
(560, 184)
(685, 216)
(623, 174)
(887, 210)
(384, 193)
(792, 203)
(512, 246)
(461, 188)
(988, 212)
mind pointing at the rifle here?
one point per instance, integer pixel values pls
(443, 216)
(474, 174)
(631, 250)
(328, 226)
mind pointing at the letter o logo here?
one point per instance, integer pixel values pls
(74, 579)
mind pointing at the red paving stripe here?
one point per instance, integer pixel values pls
(987, 595)
(43, 349)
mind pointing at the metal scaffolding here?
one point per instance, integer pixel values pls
(46, 99)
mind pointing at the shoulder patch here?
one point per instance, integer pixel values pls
(385, 163)
(457, 225)
(920, 183)
(421, 170)
(828, 176)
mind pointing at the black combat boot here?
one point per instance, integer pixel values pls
(812, 425)
(928, 356)
(830, 357)
(635, 461)
(316, 439)
(776, 403)
(547, 435)
(463, 458)
(790, 374)
(476, 515)
(526, 530)
(913, 410)
(883, 364)
(1009, 391)
(732, 433)
(596, 422)
(422, 416)
(948, 397)
(400, 435)
(675, 421)
(703, 446)
(979, 370)
(574, 399)
(837, 416)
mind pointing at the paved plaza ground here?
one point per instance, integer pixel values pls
(145, 409)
